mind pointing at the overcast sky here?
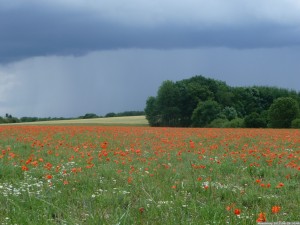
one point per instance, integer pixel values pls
(71, 57)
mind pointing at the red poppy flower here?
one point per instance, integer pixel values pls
(276, 209)
(237, 211)
(25, 168)
(261, 217)
(48, 176)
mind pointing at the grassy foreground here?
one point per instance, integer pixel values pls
(144, 175)
(107, 121)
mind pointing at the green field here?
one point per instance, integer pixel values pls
(117, 121)
(145, 175)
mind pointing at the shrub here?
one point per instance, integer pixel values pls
(235, 123)
(219, 122)
(254, 120)
(296, 123)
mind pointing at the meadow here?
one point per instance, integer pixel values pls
(105, 121)
(144, 175)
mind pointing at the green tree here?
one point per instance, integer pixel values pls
(89, 116)
(254, 120)
(176, 103)
(191, 91)
(28, 119)
(10, 119)
(229, 112)
(282, 112)
(205, 113)
(296, 123)
(131, 113)
(167, 102)
(152, 112)
(110, 114)
(247, 100)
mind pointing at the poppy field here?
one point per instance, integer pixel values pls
(145, 175)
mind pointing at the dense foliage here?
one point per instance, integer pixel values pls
(205, 102)
(283, 111)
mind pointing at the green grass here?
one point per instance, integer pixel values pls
(147, 175)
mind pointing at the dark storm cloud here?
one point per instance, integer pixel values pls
(38, 29)
(125, 49)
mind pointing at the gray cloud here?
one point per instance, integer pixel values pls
(70, 57)
(41, 28)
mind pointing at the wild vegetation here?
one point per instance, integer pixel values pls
(159, 175)
(205, 102)
(145, 175)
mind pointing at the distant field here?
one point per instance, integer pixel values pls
(123, 121)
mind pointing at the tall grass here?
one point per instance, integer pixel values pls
(143, 175)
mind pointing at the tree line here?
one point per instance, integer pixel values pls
(8, 118)
(205, 102)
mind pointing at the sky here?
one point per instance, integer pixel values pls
(66, 58)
